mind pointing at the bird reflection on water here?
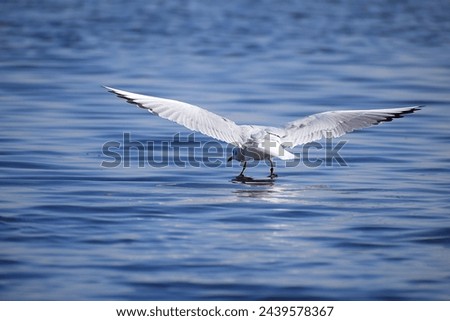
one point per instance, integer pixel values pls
(272, 191)
(252, 181)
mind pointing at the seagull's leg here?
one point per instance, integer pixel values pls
(243, 169)
(272, 174)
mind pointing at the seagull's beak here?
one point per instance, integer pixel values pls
(230, 159)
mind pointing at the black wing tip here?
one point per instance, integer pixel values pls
(110, 89)
(127, 99)
(401, 114)
(114, 91)
(415, 108)
(408, 111)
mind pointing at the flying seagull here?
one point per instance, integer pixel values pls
(263, 142)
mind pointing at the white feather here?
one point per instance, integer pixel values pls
(190, 116)
(337, 123)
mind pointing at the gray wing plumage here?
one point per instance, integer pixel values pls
(337, 123)
(189, 116)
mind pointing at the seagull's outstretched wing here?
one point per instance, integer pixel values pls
(337, 123)
(190, 116)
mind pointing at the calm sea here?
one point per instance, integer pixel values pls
(72, 228)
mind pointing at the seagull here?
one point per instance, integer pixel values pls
(255, 142)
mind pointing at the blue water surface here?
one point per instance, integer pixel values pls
(72, 229)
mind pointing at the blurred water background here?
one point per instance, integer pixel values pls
(71, 229)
